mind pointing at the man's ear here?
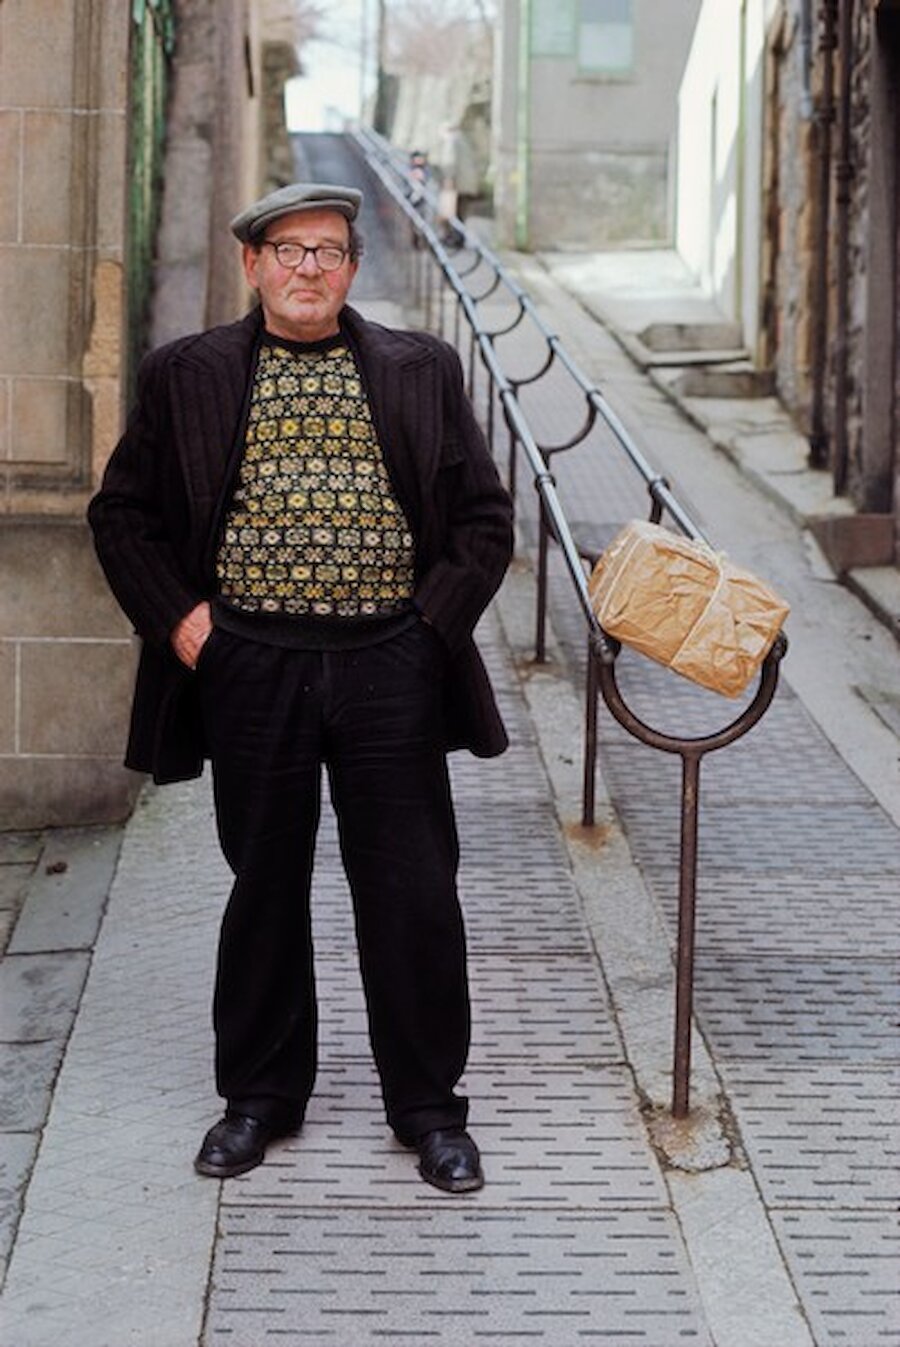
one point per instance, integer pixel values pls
(250, 256)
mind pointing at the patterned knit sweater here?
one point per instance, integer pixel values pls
(313, 529)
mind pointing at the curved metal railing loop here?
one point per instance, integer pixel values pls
(511, 326)
(699, 745)
(473, 266)
(492, 288)
(524, 380)
(579, 437)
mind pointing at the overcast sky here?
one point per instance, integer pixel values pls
(330, 90)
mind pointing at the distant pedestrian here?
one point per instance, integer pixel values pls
(420, 175)
(304, 524)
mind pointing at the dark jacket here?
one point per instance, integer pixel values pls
(157, 515)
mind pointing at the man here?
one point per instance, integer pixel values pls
(304, 525)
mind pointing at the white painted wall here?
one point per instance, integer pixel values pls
(721, 121)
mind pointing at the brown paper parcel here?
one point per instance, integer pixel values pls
(685, 606)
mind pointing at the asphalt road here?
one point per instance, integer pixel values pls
(328, 157)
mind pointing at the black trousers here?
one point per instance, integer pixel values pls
(372, 716)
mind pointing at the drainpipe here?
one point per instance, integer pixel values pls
(807, 106)
(844, 177)
(824, 116)
(523, 125)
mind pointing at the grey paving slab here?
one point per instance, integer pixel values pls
(548, 1011)
(826, 1136)
(27, 1075)
(115, 1238)
(39, 995)
(793, 1009)
(68, 891)
(20, 848)
(846, 1266)
(459, 1276)
(8, 917)
(17, 1152)
(820, 913)
(14, 878)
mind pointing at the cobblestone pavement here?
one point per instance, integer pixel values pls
(768, 1219)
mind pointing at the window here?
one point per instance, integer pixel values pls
(606, 37)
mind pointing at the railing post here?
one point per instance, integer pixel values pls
(687, 906)
(589, 786)
(540, 635)
(512, 472)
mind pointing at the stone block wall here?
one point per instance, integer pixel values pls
(65, 651)
(66, 672)
(790, 210)
(861, 222)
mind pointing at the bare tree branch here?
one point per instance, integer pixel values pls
(431, 36)
(294, 21)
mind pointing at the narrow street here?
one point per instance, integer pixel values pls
(767, 1220)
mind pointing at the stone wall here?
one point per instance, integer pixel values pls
(65, 651)
(790, 210)
(860, 224)
(872, 178)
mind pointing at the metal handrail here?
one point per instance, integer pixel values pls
(602, 650)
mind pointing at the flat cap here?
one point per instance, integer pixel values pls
(297, 196)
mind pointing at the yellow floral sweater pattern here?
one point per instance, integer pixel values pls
(314, 528)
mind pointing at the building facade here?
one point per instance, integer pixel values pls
(584, 111)
(92, 246)
(788, 212)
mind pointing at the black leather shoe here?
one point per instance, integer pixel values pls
(449, 1159)
(236, 1144)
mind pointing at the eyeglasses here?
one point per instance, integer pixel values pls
(327, 256)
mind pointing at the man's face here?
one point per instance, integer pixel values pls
(303, 302)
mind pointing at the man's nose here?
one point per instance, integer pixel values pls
(310, 265)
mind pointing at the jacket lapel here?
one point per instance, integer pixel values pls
(210, 377)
